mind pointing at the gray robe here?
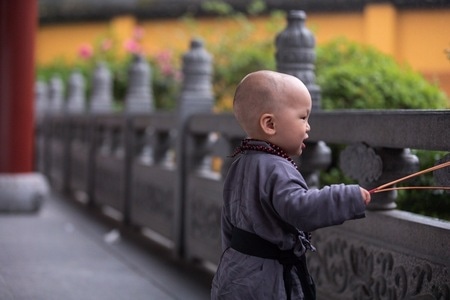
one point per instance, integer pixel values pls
(261, 192)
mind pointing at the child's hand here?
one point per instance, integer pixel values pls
(366, 196)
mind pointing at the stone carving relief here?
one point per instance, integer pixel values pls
(205, 216)
(350, 270)
(154, 200)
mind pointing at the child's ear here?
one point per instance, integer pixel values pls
(267, 123)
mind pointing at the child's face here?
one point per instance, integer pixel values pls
(291, 123)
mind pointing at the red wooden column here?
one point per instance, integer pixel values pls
(20, 188)
(18, 20)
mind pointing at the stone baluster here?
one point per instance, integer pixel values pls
(203, 156)
(196, 93)
(102, 96)
(139, 97)
(106, 138)
(76, 94)
(138, 100)
(56, 91)
(295, 55)
(42, 101)
(164, 149)
(119, 142)
(196, 96)
(155, 148)
(374, 167)
(158, 148)
(146, 153)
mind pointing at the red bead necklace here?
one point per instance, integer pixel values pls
(270, 148)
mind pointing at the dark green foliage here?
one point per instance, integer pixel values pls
(166, 87)
(243, 61)
(359, 77)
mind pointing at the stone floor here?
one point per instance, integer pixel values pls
(65, 252)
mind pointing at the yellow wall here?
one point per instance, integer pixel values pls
(380, 27)
(327, 27)
(62, 41)
(178, 34)
(422, 39)
(416, 37)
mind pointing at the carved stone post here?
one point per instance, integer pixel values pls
(76, 98)
(196, 96)
(42, 101)
(75, 105)
(101, 98)
(139, 98)
(295, 55)
(56, 90)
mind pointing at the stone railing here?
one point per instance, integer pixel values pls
(162, 172)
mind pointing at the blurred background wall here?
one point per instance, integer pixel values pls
(413, 32)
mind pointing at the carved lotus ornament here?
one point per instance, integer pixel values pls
(360, 162)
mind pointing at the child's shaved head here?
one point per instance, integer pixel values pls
(258, 93)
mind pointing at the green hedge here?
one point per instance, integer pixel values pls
(355, 76)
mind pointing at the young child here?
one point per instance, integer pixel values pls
(268, 209)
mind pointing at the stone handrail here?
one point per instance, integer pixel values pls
(162, 173)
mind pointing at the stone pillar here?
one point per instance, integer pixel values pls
(295, 55)
(76, 100)
(139, 97)
(102, 94)
(196, 97)
(21, 189)
(74, 105)
(138, 100)
(56, 95)
(41, 102)
(196, 93)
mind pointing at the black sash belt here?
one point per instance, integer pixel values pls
(251, 244)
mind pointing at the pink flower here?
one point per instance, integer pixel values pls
(85, 51)
(106, 45)
(164, 62)
(132, 46)
(164, 56)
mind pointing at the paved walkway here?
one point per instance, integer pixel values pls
(66, 252)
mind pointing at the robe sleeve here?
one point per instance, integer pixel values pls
(310, 209)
